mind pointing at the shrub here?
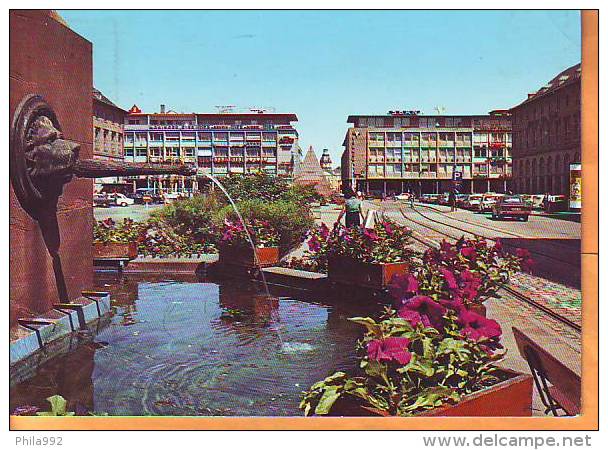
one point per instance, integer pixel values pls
(290, 220)
(259, 231)
(192, 217)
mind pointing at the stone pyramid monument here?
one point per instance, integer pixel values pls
(309, 172)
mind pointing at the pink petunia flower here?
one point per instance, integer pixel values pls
(427, 307)
(477, 327)
(403, 286)
(389, 349)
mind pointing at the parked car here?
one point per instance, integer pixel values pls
(489, 200)
(404, 196)
(429, 198)
(444, 199)
(139, 194)
(171, 197)
(102, 201)
(473, 202)
(512, 206)
(461, 200)
(557, 203)
(121, 199)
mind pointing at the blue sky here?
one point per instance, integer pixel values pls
(325, 65)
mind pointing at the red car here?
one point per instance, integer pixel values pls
(511, 206)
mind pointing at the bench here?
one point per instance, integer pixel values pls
(558, 386)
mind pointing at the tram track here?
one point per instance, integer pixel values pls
(484, 226)
(429, 243)
(493, 239)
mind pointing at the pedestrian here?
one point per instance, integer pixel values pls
(412, 200)
(452, 200)
(352, 209)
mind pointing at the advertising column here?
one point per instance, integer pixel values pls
(575, 197)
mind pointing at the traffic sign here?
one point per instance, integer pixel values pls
(456, 176)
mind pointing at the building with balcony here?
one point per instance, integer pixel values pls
(547, 135)
(405, 151)
(220, 144)
(108, 136)
(108, 128)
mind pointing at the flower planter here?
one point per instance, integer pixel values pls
(509, 398)
(244, 257)
(115, 250)
(345, 270)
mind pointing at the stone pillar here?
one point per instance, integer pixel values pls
(49, 59)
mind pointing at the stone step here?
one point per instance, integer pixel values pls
(31, 334)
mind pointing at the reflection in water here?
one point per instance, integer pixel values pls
(201, 348)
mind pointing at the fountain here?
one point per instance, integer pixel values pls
(42, 162)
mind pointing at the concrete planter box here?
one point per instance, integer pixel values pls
(244, 256)
(115, 250)
(509, 398)
(345, 270)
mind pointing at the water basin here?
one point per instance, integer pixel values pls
(212, 348)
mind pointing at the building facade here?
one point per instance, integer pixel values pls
(547, 135)
(325, 160)
(220, 144)
(405, 151)
(108, 128)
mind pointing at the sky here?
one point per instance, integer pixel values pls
(326, 65)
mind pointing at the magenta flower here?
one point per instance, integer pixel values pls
(477, 327)
(469, 252)
(526, 259)
(414, 317)
(388, 228)
(453, 304)
(403, 286)
(389, 349)
(470, 284)
(427, 307)
(449, 278)
(370, 234)
(498, 245)
(313, 244)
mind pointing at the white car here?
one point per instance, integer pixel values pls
(405, 196)
(171, 197)
(121, 199)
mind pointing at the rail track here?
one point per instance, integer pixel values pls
(468, 231)
(487, 227)
(429, 243)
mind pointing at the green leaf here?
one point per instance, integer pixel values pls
(330, 395)
(374, 368)
(58, 405)
(368, 323)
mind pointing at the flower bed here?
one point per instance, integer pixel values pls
(387, 243)
(433, 354)
(236, 246)
(464, 274)
(421, 357)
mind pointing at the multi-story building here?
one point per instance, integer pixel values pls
(108, 128)
(547, 135)
(406, 151)
(220, 144)
(108, 136)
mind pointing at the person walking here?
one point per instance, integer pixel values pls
(352, 209)
(452, 200)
